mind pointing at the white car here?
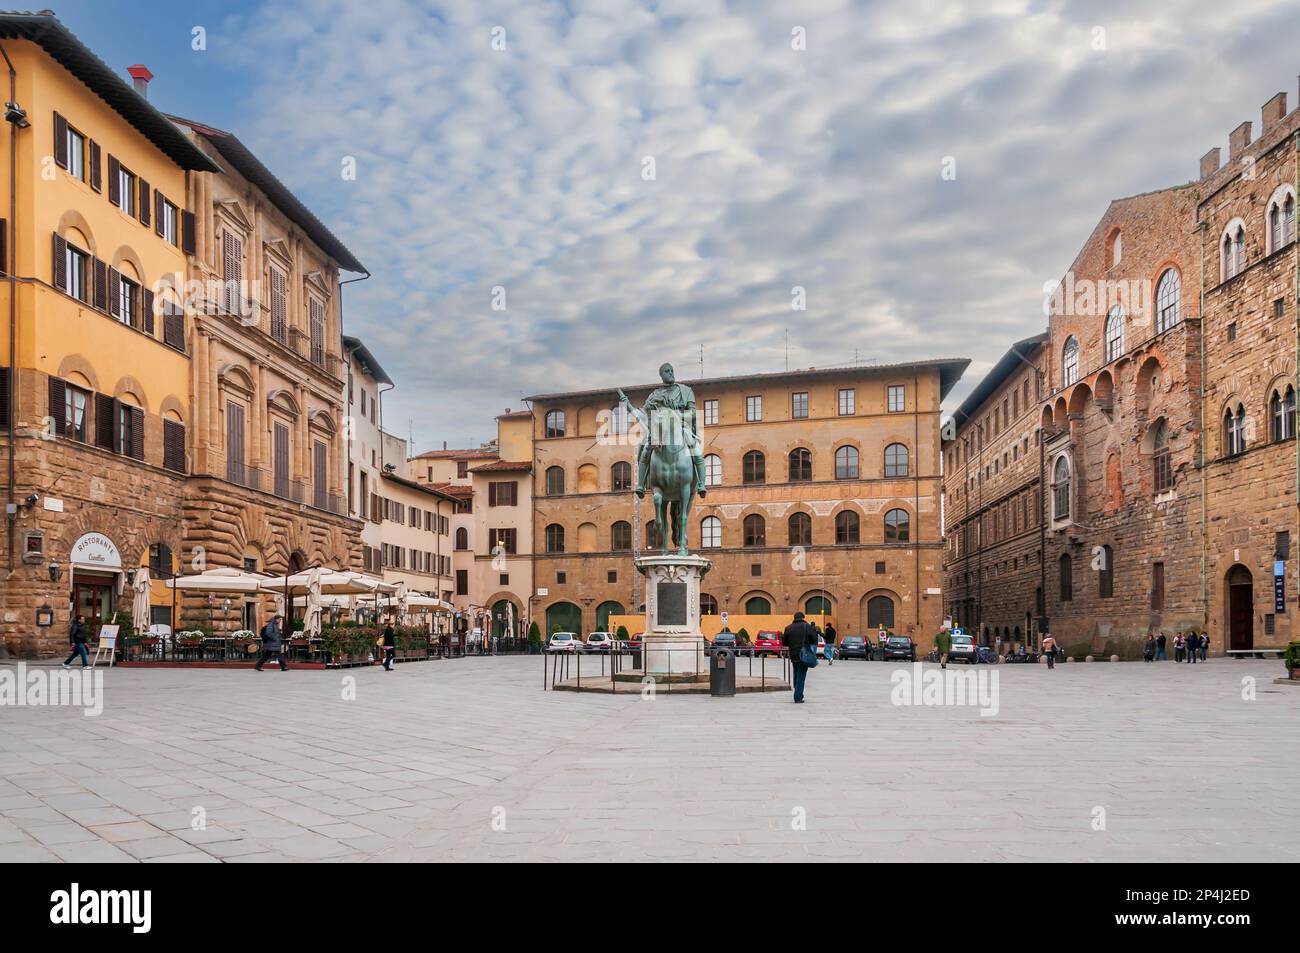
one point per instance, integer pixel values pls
(821, 646)
(564, 642)
(600, 642)
(963, 649)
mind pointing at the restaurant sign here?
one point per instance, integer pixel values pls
(96, 551)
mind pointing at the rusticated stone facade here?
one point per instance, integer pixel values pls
(1251, 332)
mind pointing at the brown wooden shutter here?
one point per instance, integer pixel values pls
(146, 310)
(137, 433)
(173, 446)
(114, 292)
(60, 141)
(235, 442)
(159, 211)
(187, 232)
(114, 180)
(4, 247)
(144, 203)
(174, 326)
(96, 167)
(99, 296)
(492, 494)
(105, 422)
(5, 373)
(58, 405)
(281, 460)
(60, 262)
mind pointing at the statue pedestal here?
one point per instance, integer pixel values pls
(673, 643)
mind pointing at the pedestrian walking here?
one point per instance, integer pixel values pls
(271, 644)
(1160, 648)
(1049, 648)
(77, 639)
(830, 643)
(1205, 645)
(390, 646)
(797, 637)
(1193, 644)
(943, 645)
(1179, 645)
(1149, 650)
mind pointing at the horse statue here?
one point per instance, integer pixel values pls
(669, 460)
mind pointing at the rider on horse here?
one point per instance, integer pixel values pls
(680, 400)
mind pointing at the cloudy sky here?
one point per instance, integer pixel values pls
(645, 179)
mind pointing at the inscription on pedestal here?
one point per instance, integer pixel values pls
(670, 598)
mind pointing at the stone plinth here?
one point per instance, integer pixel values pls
(674, 644)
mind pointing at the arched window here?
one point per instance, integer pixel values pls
(620, 536)
(555, 538)
(554, 481)
(755, 468)
(1282, 413)
(1067, 578)
(800, 465)
(462, 537)
(755, 530)
(1234, 430)
(710, 532)
(708, 604)
(800, 529)
(652, 535)
(1061, 489)
(1114, 333)
(819, 606)
(757, 605)
(880, 612)
(555, 423)
(620, 476)
(896, 460)
(1232, 260)
(1169, 294)
(847, 528)
(713, 470)
(619, 419)
(846, 462)
(1106, 573)
(1162, 471)
(897, 526)
(1070, 361)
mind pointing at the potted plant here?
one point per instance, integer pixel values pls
(534, 638)
(1292, 659)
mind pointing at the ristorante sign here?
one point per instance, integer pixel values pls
(96, 551)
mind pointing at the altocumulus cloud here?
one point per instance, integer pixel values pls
(522, 168)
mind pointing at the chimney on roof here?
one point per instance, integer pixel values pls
(1210, 162)
(1271, 112)
(141, 75)
(1238, 140)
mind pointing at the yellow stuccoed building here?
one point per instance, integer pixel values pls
(95, 396)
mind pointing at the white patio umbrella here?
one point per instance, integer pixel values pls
(140, 601)
(333, 582)
(311, 624)
(226, 579)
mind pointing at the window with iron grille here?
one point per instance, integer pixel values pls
(1163, 474)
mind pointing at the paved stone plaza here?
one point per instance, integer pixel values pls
(429, 762)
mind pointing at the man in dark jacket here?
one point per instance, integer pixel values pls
(77, 638)
(797, 635)
(390, 646)
(271, 644)
(1161, 642)
(1193, 644)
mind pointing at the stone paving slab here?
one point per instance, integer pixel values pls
(471, 760)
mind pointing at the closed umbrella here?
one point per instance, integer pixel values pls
(311, 624)
(140, 601)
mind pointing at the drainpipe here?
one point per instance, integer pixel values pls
(11, 514)
(1205, 522)
(360, 504)
(916, 498)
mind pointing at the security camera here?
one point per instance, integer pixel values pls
(16, 115)
(32, 498)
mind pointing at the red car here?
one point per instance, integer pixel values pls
(768, 643)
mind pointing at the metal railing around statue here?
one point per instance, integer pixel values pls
(606, 667)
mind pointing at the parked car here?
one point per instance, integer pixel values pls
(963, 649)
(900, 646)
(564, 642)
(821, 646)
(854, 646)
(724, 640)
(600, 642)
(768, 642)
